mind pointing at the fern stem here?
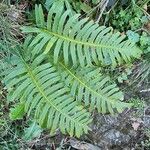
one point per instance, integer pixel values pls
(80, 42)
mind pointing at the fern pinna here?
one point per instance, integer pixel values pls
(57, 76)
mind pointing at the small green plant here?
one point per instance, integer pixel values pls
(128, 17)
(142, 71)
(137, 103)
(56, 76)
(146, 143)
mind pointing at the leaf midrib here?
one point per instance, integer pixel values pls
(80, 42)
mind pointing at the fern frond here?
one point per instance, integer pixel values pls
(93, 88)
(79, 40)
(41, 89)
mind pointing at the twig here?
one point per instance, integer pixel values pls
(147, 90)
(102, 8)
(142, 29)
(90, 11)
(133, 1)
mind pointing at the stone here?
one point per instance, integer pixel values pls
(81, 145)
(115, 137)
(146, 120)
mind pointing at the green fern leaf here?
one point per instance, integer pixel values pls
(40, 88)
(32, 132)
(57, 4)
(17, 112)
(80, 40)
(90, 86)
